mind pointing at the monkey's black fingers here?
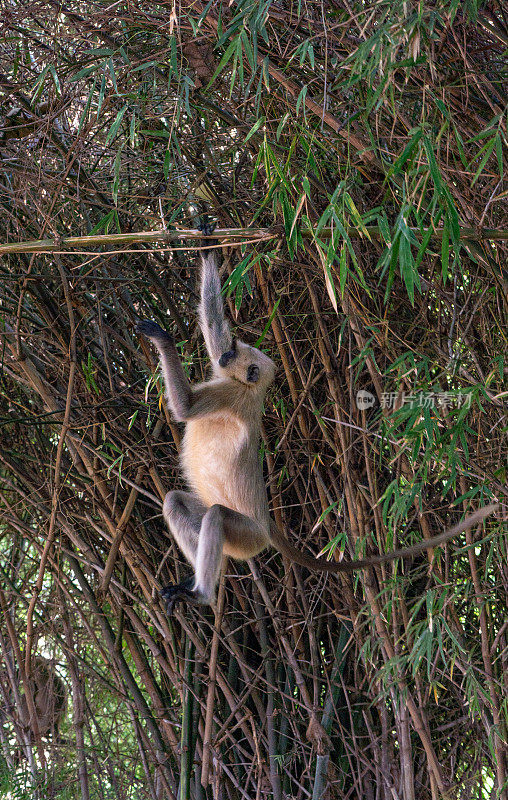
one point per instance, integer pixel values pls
(177, 593)
(207, 227)
(152, 330)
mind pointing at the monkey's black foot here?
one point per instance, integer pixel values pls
(152, 330)
(179, 592)
(207, 227)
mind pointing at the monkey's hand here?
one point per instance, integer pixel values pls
(152, 330)
(207, 227)
(178, 593)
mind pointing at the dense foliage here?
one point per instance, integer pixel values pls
(363, 145)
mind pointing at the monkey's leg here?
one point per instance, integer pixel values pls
(224, 531)
(201, 545)
(209, 553)
(244, 537)
(183, 513)
(203, 536)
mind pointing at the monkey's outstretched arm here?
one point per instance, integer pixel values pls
(284, 547)
(186, 401)
(178, 388)
(216, 330)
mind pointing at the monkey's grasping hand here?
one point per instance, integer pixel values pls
(174, 594)
(207, 227)
(152, 330)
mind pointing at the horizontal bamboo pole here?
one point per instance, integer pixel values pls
(223, 234)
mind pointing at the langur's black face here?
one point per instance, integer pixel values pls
(247, 365)
(229, 355)
(253, 373)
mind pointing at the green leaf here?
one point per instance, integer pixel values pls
(431, 158)
(116, 175)
(270, 318)
(499, 154)
(445, 252)
(488, 148)
(132, 131)
(225, 58)
(238, 275)
(142, 67)
(384, 227)
(330, 287)
(38, 86)
(84, 73)
(249, 52)
(103, 224)
(52, 71)
(116, 124)
(155, 134)
(111, 68)
(423, 249)
(407, 268)
(102, 93)
(356, 215)
(301, 99)
(406, 153)
(281, 124)
(84, 115)
(255, 127)
(343, 268)
(453, 218)
(100, 51)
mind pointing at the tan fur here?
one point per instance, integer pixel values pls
(220, 455)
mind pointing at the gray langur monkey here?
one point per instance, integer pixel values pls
(226, 511)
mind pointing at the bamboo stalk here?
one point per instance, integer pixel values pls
(210, 700)
(162, 237)
(334, 688)
(78, 703)
(186, 755)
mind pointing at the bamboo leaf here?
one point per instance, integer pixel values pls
(116, 176)
(487, 151)
(269, 322)
(261, 121)
(228, 54)
(116, 124)
(445, 253)
(406, 153)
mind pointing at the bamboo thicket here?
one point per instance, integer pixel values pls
(359, 148)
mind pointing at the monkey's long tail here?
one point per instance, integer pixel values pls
(283, 546)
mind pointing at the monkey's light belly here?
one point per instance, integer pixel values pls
(216, 464)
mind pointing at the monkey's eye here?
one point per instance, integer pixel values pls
(253, 373)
